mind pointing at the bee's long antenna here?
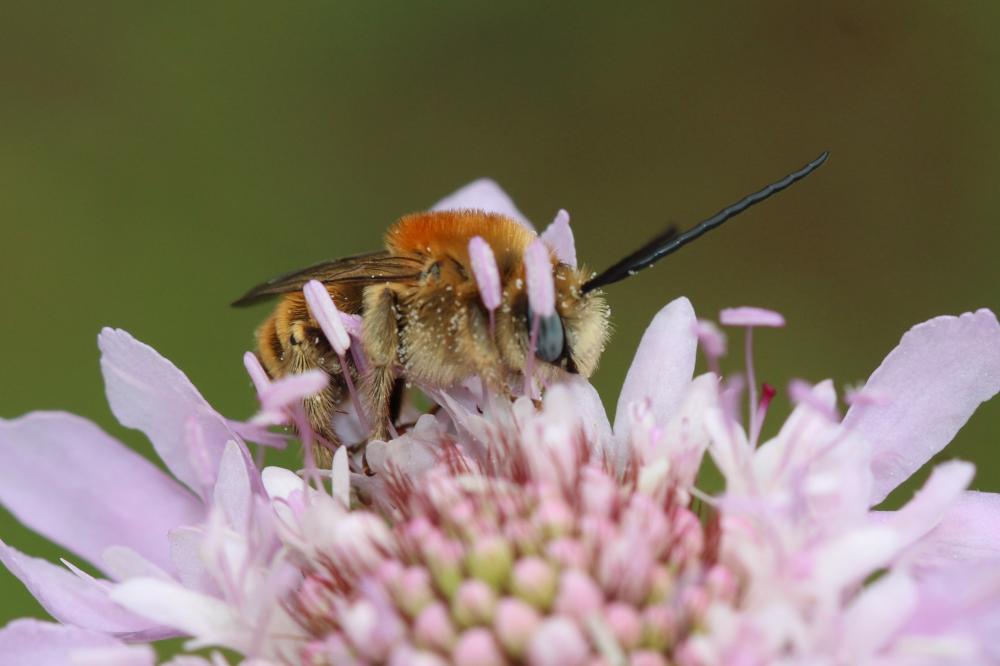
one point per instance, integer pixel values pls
(668, 242)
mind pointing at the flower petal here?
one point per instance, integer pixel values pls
(149, 393)
(233, 491)
(50, 644)
(292, 389)
(927, 508)
(53, 465)
(559, 237)
(483, 194)
(968, 534)
(71, 599)
(206, 618)
(934, 379)
(876, 614)
(663, 366)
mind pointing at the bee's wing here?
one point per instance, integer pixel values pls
(359, 269)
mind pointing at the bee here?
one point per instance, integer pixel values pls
(423, 320)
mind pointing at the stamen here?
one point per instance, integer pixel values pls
(749, 317)
(541, 301)
(713, 343)
(768, 393)
(324, 311)
(484, 268)
(256, 371)
(538, 273)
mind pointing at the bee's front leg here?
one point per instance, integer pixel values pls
(381, 336)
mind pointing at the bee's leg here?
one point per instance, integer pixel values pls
(309, 351)
(381, 335)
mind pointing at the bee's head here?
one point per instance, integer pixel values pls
(563, 328)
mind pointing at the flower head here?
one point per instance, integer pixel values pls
(498, 531)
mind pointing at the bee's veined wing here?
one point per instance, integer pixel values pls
(359, 270)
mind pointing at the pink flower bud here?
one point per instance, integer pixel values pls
(558, 642)
(538, 273)
(476, 647)
(568, 553)
(534, 581)
(515, 622)
(473, 603)
(324, 311)
(749, 316)
(484, 269)
(412, 589)
(491, 560)
(625, 623)
(578, 597)
(433, 628)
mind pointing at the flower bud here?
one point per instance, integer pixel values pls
(473, 603)
(476, 647)
(515, 623)
(491, 560)
(433, 628)
(534, 580)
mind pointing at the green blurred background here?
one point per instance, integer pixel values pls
(155, 161)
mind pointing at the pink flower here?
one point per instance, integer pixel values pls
(504, 532)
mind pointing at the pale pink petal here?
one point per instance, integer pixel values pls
(484, 269)
(252, 432)
(186, 545)
(82, 602)
(750, 316)
(969, 533)
(233, 491)
(54, 465)
(663, 366)
(589, 410)
(962, 601)
(324, 311)
(122, 563)
(483, 194)
(685, 436)
(872, 618)
(929, 506)
(116, 655)
(559, 237)
(206, 618)
(933, 381)
(149, 393)
(848, 559)
(36, 643)
(538, 275)
(340, 477)
(293, 389)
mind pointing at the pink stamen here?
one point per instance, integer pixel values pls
(713, 343)
(538, 274)
(750, 317)
(256, 371)
(324, 311)
(767, 395)
(484, 269)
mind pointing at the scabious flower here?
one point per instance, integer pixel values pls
(501, 532)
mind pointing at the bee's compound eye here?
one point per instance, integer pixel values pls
(551, 339)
